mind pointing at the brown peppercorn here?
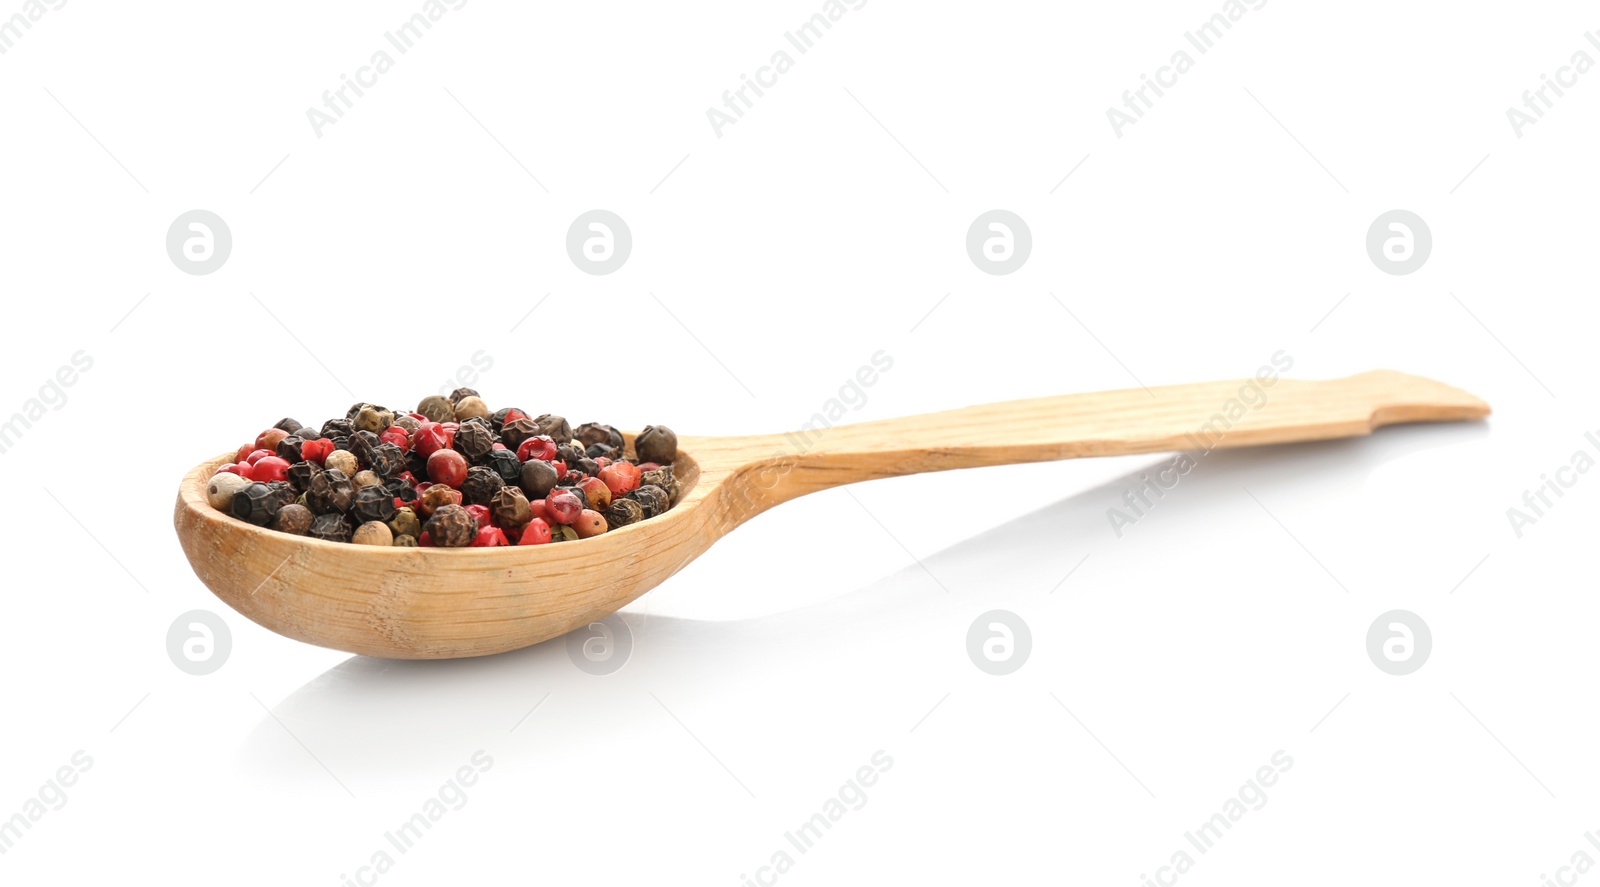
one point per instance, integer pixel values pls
(622, 512)
(513, 433)
(404, 541)
(373, 533)
(471, 407)
(460, 394)
(481, 484)
(300, 475)
(652, 499)
(538, 478)
(342, 460)
(372, 503)
(656, 443)
(591, 433)
(405, 523)
(330, 492)
(330, 528)
(474, 440)
(555, 426)
(220, 490)
(510, 509)
(435, 498)
(437, 409)
(292, 518)
(452, 527)
(663, 478)
(373, 419)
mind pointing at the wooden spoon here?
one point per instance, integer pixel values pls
(437, 603)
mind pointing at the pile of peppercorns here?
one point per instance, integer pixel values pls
(450, 475)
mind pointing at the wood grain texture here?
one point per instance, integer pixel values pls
(434, 603)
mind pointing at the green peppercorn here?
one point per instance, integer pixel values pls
(513, 433)
(405, 542)
(332, 527)
(405, 523)
(474, 440)
(555, 426)
(220, 490)
(656, 443)
(510, 509)
(622, 512)
(652, 498)
(373, 419)
(481, 484)
(372, 503)
(563, 533)
(293, 518)
(437, 409)
(452, 527)
(538, 478)
(373, 533)
(330, 492)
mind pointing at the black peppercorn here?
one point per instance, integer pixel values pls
(555, 426)
(481, 484)
(663, 478)
(417, 464)
(600, 450)
(652, 498)
(361, 443)
(460, 394)
(337, 428)
(301, 473)
(309, 433)
(258, 503)
(437, 409)
(591, 433)
(506, 464)
(510, 509)
(387, 460)
(588, 466)
(538, 478)
(372, 504)
(287, 424)
(513, 433)
(293, 518)
(622, 512)
(400, 488)
(289, 448)
(656, 443)
(452, 527)
(497, 419)
(474, 440)
(330, 492)
(331, 528)
(570, 454)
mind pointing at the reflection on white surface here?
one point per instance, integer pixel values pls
(368, 719)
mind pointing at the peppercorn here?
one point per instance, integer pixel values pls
(337, 428)
(513, 433)
(405, 541)
(220, 490)
(621, 477)
(316, 450)
(452, 527)
(663, 478)
(343, 461)
(330, 492)
(623, 512)
(554, 426)
(595, 493)
(365, 478)
(361, 443)
(472, 407)
(405, 523)
(332, 527)
(506, 464)
(372, 503)
(480, 485)
(540, 446)
(269, 439)
(587, 465)
(436, 497)
(447, 467)
(591, 433)
(437, 409)
(257, 503)
(490, 537)
(537, 532)
(300, 475)
(652, 498)
(510, 508)
(288, 425)
(373, 533)
(387, 461)
(292, 518)
(474, 440)
(460, 394)
(268, 468)
(570, 454)
(401, 489)
(408, 422)
(289, 448)
(563, 533)
(656, 443)
(372, 419)
(589, 523)
(564, 504)
(538, 478)
(417, 463)
(601, 451)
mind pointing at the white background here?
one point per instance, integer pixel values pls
(768, 264)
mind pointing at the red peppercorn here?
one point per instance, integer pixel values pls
(490, 537)
(596, 492)
(396, 435)
(481, 514)
(244, 452)
(429, 438)
(269, 468)
(537, 532)
(564, 506)
(513, 415)
(648, 466)
(257, 455)
(589, 523)
(316, 450)
(425, 540)
(447, 467)
(541, 510)
(539, 446)
(621, 477)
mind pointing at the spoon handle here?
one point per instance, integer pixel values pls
(1265, 409)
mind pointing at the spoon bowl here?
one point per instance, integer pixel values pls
(442, 603)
